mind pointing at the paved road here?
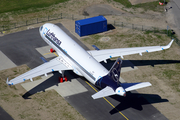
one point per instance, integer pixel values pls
(174, 16)
(176, 10)
(177, 3)
(176, 13)
(20, 46)
(4, 115)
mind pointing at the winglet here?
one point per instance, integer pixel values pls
(7, 81)
(169, 45)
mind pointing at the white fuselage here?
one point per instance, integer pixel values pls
(80, 60)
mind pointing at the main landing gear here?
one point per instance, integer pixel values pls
(63, 78)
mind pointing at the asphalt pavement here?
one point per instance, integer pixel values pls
(4, 115)
(173, 10)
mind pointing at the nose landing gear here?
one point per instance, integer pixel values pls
(52, 50)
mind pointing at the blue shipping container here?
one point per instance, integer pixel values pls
(91, 25)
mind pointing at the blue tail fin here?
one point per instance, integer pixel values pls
(111, 85)
(112, 78)
(115, 71)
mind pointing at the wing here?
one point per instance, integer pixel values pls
(56, 64)
(134, 86)
(107, 91)
(101, 55)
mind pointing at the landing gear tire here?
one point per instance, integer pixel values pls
(62, 79)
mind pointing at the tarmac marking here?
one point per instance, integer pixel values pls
(108, 101)
(65, 89)
(47, 53)
(5, 62)
(104, 98)
(50, 53)
(55, 54)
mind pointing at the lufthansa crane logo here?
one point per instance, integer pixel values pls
(115, 75)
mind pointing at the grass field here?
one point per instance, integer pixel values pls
(15, 5)
(145, 6)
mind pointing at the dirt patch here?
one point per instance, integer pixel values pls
(101, 9)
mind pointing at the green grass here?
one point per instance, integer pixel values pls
(94, 40)
(126, 3)
(145, 6)
(15, 5)
(169, 73)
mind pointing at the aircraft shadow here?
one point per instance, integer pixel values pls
(70, 75)
(133, 63)
(135, 100)
(49, 83)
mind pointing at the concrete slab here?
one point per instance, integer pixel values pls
(45, 51)
(70, 88)
(64, 89)
(30, 85)
(5, 62)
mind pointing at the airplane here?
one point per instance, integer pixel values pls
(71, 56)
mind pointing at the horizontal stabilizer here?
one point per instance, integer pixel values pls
(134, 86)
(107, 91)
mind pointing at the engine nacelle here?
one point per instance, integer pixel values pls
(120, 91)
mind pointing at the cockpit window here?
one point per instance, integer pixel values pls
(41, 28)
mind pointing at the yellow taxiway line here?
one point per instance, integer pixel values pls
(55, 54)
(50, 53)
(108, 101)
(97, 91)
